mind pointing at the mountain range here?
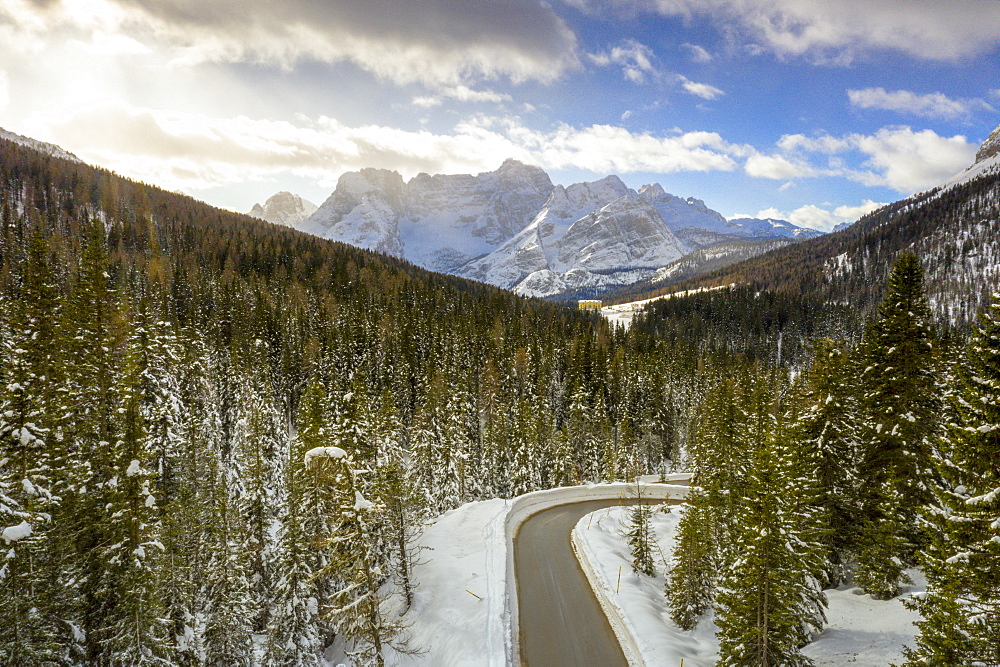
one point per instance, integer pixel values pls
(514, 229)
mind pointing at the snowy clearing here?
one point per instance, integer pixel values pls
(622, 313)
(861, 630)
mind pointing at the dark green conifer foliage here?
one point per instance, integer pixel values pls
(826, 431)
(690, 585)
(640, 540)
(31, 627)
(960, 613)
(769, 602)
(901, 408)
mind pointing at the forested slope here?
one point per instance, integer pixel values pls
(165, 366)
(955, 232)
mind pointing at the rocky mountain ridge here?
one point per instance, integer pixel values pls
(284, 208)
(513, 228)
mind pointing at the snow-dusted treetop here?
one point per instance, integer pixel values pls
(323, 452)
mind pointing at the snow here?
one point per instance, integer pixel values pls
(622, 313)
(323, 452)
(865, 631)
(361, 504)
(464, 604)
(15, 533)
(861, 630)
(133, 469)
(638, 608)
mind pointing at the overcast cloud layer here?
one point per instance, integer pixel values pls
(810, 109)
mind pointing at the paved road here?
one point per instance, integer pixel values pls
(560, 621)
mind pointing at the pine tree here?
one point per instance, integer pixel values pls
(960, 613)
(394, 489)
(690, 585)
(32, 629)
(132, 631)
(826, 431)
(639, 539)
(357, 605)
(297, 631)
(769, 602)
(901, 406)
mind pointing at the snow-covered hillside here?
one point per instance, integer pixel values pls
(513, 228)
(40, 146)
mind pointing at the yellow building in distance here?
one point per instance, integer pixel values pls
(589, 304)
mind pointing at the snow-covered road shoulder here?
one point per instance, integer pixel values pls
(465, 605)
(861, 630)
(637, 609)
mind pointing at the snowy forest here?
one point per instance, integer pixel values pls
(219, 438)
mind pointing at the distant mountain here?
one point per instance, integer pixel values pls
(284, 208)
(40, 146)
(438, 222)
(954, 229)
(513, 228)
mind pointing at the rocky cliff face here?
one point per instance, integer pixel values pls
(513, 228)
(284, 208)
(990, 147)
(439, 222)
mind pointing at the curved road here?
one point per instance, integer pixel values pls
(560, 621)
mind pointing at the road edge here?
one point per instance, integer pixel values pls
(602, 591)
(524, 507)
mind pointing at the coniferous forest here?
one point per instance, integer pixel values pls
(221, 437)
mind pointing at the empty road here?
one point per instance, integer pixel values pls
(560, 621)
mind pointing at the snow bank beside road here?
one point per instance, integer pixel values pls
(532, 503)
(470, 553)
(638, 609)
(861, 630)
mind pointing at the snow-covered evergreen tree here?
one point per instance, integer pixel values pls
(769, 602)
(640, 541)
(960, 613)
(826, 431)
(690, 584)
(901, 409)
(356, 560)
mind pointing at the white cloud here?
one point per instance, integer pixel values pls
(4, 89)
(817, 217)
(434, 42)
(461, 94)
(702, 90)
(839, 32)
(194, 152)
(777, 167)
(634, 58)
(698, 54)
(907, 161)
(895, 157)
(932, 105)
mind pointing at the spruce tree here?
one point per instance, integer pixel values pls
(640, 541)
(960, 613)
(769, 602)
(901, 408)
(826, 431)
(690, 584)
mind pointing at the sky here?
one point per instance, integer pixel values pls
(808, 110)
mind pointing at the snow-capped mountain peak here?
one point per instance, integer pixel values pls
(513, 228)
(284, 208)
(990, 147)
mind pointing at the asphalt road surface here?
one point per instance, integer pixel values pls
(560, 621)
